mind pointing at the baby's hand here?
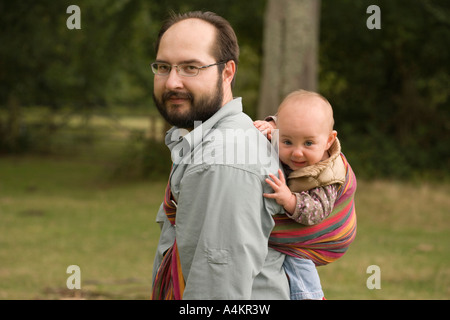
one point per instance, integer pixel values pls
(282, 195)
(266, 127)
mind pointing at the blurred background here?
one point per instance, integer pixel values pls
(83, 167)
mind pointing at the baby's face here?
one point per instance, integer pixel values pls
(305, 136)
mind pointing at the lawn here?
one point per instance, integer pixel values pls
(404, 229)
(57, 211)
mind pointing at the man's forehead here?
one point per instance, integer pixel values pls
(188, 37)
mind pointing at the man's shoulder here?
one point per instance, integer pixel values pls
(238, 144)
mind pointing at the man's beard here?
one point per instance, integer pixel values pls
(201, 109)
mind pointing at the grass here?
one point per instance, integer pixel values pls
(55, 213)
(404, 229)
(61, 210)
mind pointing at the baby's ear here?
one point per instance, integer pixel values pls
(331, 138)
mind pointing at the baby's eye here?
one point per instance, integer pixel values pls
(287, 142)
(308, 143)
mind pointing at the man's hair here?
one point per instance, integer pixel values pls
(226, 47)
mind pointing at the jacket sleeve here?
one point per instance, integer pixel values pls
(315, 205)
(222, 232)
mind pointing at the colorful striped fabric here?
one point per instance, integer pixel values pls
(326, 241)
(322, 243)
(169, 281)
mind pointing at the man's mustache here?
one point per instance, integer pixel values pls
(175, 94)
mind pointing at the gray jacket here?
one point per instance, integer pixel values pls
(223, 221)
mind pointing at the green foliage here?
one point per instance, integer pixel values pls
(389, 87)
(143, 158)
(45, 63)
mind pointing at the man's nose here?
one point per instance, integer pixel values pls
(174, 80)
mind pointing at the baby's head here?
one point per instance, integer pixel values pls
(305, 122)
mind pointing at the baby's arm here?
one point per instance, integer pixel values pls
(314, 205)
(282, 195)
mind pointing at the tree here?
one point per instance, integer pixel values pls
(389, 87)
(45, 63)
(291, 38)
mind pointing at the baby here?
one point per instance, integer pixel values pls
(311, 156)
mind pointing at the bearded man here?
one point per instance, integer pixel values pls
(215, 222)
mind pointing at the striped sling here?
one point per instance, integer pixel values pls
(326, 241)
(322, 243)
(169, 281)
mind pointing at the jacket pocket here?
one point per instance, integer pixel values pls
(217, 256)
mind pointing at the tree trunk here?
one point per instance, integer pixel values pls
(291, 42)
(12, 133)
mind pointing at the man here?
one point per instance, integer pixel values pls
(215, 220)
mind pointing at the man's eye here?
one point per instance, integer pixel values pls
(190, 69)
(163, 68)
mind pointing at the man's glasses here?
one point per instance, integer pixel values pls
(185, 70)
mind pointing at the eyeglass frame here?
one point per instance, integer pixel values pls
(177, 68)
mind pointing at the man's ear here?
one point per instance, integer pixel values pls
(229, 71)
